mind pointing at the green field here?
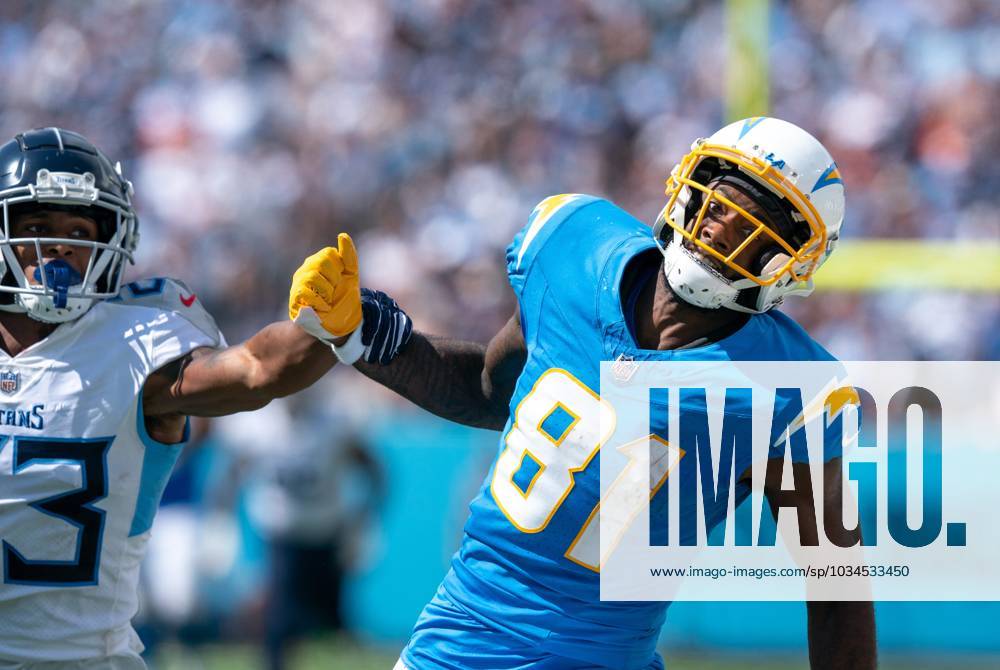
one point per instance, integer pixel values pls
(336, 654)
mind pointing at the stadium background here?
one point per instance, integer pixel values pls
(255, 130)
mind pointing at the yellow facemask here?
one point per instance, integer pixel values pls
(799, 263)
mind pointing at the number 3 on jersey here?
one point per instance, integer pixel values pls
(74, 507)
(557, 431)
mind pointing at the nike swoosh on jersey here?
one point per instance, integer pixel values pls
(188, 300)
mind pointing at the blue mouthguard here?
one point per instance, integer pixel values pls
(59, 275)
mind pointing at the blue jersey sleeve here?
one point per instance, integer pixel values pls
(557, 265)
(543, 222)
(531, 250)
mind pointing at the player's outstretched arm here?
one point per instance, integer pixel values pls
(841, 634)
(465, 382)
(278, 361)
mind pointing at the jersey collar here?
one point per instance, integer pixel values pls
(618, 340)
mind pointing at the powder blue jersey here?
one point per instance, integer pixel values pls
(522, 571)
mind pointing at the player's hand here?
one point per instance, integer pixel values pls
(325, 299)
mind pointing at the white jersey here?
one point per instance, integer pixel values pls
(80, 479)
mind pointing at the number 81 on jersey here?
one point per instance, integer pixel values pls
(557, 425)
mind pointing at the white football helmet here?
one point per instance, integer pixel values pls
(58, 169)
(794, 179)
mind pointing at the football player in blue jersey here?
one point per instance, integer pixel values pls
(752, 213)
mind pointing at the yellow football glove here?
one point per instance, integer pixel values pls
(325, 299)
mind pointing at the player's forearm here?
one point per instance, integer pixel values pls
(278, 361)
(841, 636)
(287, 360)
(445, 377)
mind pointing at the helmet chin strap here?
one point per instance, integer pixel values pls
(57, 307)
(701, 286)
(698, 284)
(42, 307)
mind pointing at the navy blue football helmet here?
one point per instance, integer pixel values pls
(50, 168)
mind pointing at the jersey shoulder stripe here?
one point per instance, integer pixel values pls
(170, 295)
(542, 222)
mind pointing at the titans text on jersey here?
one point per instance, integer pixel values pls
(27, 417)
(80, 479)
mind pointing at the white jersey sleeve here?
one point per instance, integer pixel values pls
(80, 478)
(171, 295)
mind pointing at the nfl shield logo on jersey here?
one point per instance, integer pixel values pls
(624, 368)
(10, 381)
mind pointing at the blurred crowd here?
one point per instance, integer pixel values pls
(256, 130)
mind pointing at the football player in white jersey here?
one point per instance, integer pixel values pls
(97, 379)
